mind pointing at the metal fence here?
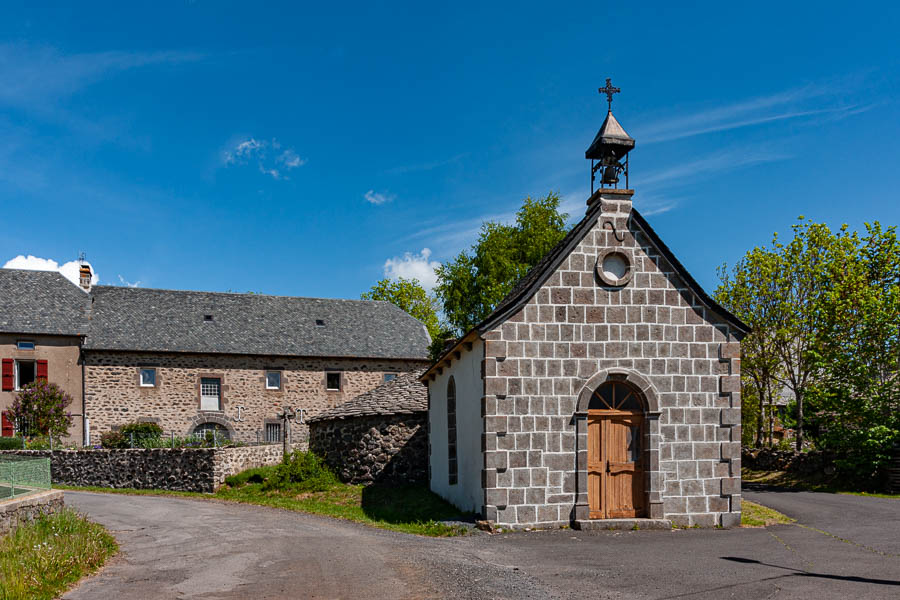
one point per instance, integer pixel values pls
(207, 439)
(23, 475)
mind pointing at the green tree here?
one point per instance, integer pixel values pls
(41, 409)
(749, 292)
(411, 297)
(473, 283)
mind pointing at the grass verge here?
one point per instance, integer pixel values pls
(757, 515)
(792, 481)
(405, 508)
(41, 559)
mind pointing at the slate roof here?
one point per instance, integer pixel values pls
(41, 302)
(403, 395)
(142, 319)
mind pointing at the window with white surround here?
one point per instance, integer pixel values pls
(24, 345)
(390, 376)
(210, 393)
(25, 373)
(273, 380)
(333, 382)
(148, 377)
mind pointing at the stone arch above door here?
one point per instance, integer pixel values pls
(650, 395)
(218, 420)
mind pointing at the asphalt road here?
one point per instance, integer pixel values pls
(182, 548)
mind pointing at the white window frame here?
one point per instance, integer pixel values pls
(16, 372)
(25, 343)
(141, 377)
(340, 381)
(217, 397)
(280, 378)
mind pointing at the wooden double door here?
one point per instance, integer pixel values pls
(616, 464)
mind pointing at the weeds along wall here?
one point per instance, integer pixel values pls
(180, 469)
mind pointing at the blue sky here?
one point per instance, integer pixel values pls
(309, 150)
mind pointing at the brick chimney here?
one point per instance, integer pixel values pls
(84, 276)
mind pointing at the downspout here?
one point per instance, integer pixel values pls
(84, 421)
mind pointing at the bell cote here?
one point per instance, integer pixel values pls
(608, 152)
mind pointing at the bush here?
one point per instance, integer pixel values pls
(113, 440)
(41, 408)
(141, 430)
(304, 472)
(11, 443)
(255, 475)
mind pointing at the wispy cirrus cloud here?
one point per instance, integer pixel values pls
(428, 166)
(268, 155)
(378, 198)
(798, 103)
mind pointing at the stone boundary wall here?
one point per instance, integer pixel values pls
(24, 509)
(803, 463)
(179, 469)
(370, 449)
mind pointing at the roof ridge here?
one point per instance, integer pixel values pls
(236, 294)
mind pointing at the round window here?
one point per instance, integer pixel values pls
(614, 267)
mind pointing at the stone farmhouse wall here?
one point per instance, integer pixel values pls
(180, 469)
(374, 448)
(24, 509)
(114, 396)
(541, 366)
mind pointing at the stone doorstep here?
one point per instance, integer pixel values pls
(620, 524)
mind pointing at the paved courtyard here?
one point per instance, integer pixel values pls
(845, 547)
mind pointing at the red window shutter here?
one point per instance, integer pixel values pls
(7, 429)
(8, 383)
(41, 370)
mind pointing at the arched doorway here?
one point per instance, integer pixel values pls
(616, 457)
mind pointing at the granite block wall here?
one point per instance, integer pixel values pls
(654, 329)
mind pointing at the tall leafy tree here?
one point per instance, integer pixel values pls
(473, 283)
(749, 292)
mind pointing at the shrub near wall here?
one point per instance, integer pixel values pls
(376, 448)
(179, 469)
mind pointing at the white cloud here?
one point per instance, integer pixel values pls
(69, 270)
(377, 198)
(413, 266)
(130, 284)
(258, 151)
(290, 159)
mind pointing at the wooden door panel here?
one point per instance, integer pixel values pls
(615, 465)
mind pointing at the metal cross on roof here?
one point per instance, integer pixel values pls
(609, 90)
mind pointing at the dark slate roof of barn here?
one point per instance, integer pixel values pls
(403, 395)
(41, 302)
(175, 321)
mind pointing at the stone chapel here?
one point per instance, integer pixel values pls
(603, 391)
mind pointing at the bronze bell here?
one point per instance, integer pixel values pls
(610, 175)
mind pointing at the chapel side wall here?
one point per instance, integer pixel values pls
(573, 327)
(467, 494)
(114, 396)
(62, 354)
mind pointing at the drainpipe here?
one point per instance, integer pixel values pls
(84, 420)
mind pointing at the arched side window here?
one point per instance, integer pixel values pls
(451, 432)
(615, 395)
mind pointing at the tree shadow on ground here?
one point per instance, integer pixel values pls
(408, 503)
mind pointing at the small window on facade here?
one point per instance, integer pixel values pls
(273, 380)
(333, 382)
(390, 376)
(148, 377)
(210, 393)
(25, 373)
(452, 469)
(273, 432)
(21, 345)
